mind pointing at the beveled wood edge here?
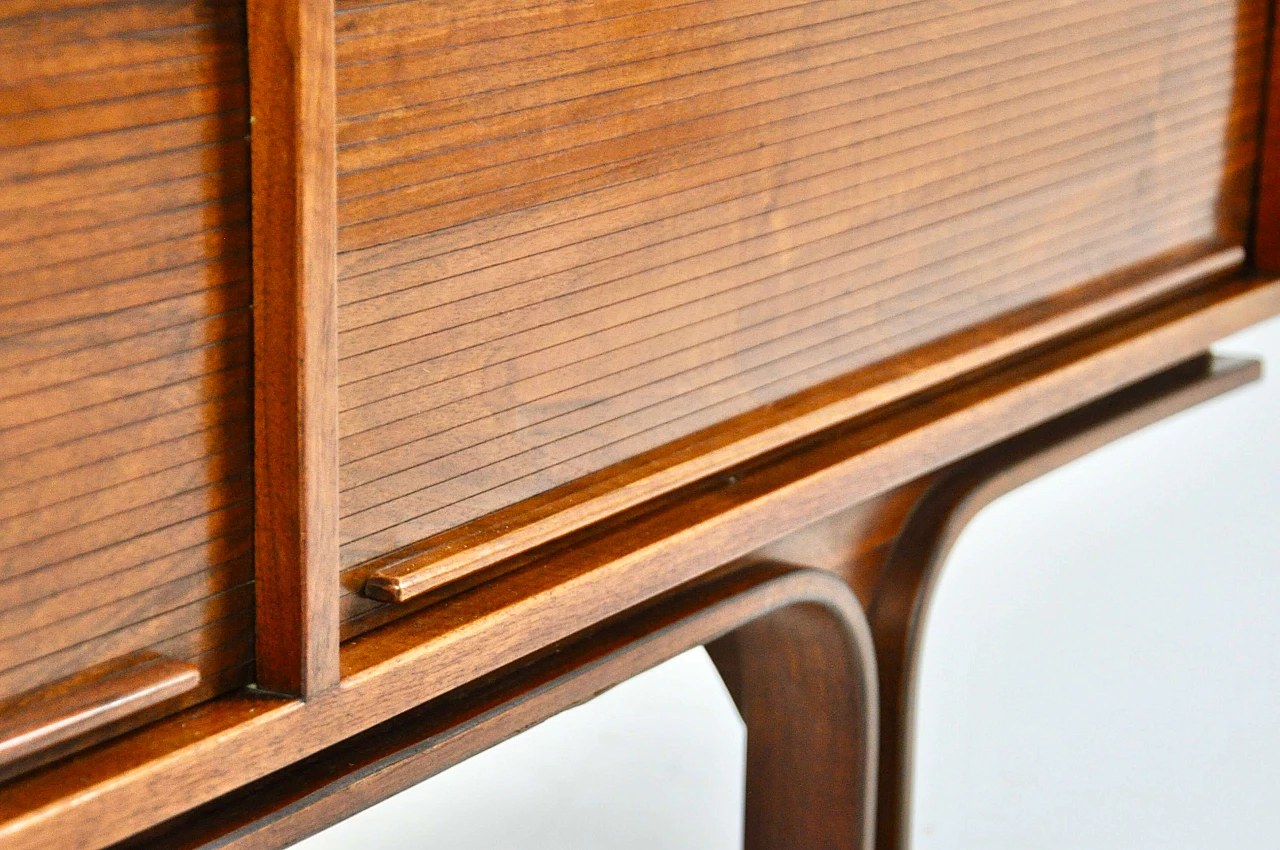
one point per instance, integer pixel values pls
(900, 604)
(294, 182)
(79, 704)
(131, 783)
(339, 782)
(428, 565)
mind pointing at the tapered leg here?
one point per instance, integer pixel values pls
(799, 678)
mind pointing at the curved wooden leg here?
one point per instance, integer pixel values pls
(899, 605)
(799, 678)
(792, 644)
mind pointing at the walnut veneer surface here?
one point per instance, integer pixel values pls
(498, 319)
(126, 439)
(571, 233)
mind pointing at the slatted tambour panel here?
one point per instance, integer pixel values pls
(571, 232)
(125, 348)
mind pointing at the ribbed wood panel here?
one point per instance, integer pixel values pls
(125, 361)
(572, 232)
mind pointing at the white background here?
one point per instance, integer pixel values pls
(1101, 670)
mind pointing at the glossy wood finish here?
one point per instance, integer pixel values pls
(574, 234)
(99, 696)
(295, 306)
(144, 778)
(126, 514)
(899, 606)
(809, 659)
(451, 556)
(798, 681)
(774, 664)
(623, 292)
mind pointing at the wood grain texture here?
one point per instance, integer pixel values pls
(811, 670)
(572, 236)
(448, 557)
(796, 677)
(125, 341)
(295, 304)
(132, 783)
(1266, 232)
(899, 604)
(97, 697)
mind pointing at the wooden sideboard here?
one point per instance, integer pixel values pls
(380, 378)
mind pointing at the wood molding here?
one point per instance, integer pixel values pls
(476, 546)
(899, 607)
(110, 793)
(291, 58)
(807, 687)
(99, 696)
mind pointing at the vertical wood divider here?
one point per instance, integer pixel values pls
(294, 171)
(1266, 224)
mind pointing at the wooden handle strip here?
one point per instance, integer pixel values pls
(70, 707)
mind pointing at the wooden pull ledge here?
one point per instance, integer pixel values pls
(71, 707)
(451, 556)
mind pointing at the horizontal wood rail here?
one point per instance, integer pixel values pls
(149, 776)
(797, 655)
